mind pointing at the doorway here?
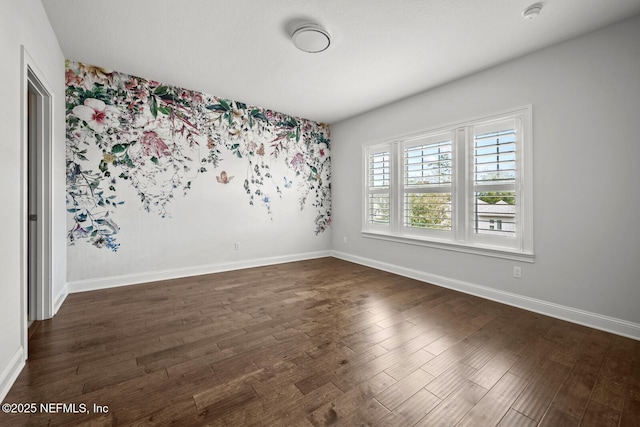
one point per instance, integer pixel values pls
(36, 207)
(34, 194)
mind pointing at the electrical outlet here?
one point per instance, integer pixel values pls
(517, 272)
(237, 246)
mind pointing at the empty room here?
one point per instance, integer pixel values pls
(309, 213)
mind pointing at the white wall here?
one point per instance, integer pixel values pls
(24, 22)
(586, 108)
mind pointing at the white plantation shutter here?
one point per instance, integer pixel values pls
(428, 183)
(495, 172)
(378, 184)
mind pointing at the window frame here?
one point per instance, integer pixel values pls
(462, 237)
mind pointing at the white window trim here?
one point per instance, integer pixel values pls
(522, 251)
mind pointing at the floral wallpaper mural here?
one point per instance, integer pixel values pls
(158, 139)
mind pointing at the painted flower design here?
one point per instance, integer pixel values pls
(153, 145)
(322, 151)
(95, 113)
(297, 163)
(72, 78)
(158, 138)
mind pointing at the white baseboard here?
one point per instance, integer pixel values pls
(10, 373)
(59, 299)
(133, 279)
(570, 314)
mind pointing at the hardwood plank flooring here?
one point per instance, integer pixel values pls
(319, 342)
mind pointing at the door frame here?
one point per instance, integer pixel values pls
(33, 79)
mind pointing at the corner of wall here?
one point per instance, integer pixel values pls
(60, 298)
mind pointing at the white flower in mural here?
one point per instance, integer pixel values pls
(322, 151)
(95, 113)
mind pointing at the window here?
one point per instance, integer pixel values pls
(427, 183)
(379, 198)
(465, 187)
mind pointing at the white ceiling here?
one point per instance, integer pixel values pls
(381, 50)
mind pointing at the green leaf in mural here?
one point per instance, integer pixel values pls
(241, 105)
(154, 159)
(128, 162)
(216, 107)
(225, 104)
(164, 109)
(103, 166)
(257, 114)
(161, 90)
(290, 122)
(119, 148)
(154, 106)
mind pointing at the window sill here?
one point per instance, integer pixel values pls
(491, 251)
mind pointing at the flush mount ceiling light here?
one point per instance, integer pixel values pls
(311, 38)
(532, 11)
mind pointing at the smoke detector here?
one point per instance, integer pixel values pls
(532, 11)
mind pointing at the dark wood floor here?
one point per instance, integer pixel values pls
(321, 342)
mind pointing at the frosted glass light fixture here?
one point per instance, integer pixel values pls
(311, 38)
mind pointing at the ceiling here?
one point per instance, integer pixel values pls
(381, 50)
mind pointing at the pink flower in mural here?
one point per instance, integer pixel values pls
(153, 145)
(95, 113)
(297, 163)
(72, 79)
(322, 151)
